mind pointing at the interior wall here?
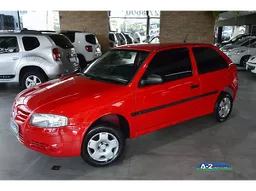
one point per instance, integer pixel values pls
(93, 20)
(175, 25)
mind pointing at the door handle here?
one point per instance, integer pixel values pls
(194, 86)
(15, 58)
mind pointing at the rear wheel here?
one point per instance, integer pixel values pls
(223, 107)
(244, 60)
(32, 78)
(103, 145)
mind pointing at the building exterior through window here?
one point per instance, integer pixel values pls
(140, 23)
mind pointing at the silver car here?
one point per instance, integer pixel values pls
(33, 57)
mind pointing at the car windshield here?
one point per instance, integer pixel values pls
(242, 41)
(116, 66)
(252, 45)
(249, 42)
(237, 38)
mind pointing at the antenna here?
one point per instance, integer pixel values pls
(186, 38)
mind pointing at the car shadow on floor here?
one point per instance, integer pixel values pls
(191, 130)
(9, 88)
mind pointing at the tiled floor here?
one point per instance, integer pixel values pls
(171, 153)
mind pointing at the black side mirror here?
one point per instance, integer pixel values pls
(152, 79)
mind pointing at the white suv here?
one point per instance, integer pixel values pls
(86, 44)
(33, 57)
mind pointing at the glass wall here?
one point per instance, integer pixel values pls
(142, 25)
(237, 38)
(32, 20)
(40, 20)
(9, 20)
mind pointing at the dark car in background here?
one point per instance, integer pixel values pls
(233, 40)
(129, 38)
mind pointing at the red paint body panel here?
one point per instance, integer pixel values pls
(84, 101)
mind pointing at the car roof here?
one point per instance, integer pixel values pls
(158, 46)
(74, 31)
(27, 33)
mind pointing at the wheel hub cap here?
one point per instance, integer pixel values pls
(31, 81)
(224, 107)
(103, 147)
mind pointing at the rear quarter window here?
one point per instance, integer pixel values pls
(208, 60)
(30, 43)
(70, 35)
(61, 41)
(91, 39)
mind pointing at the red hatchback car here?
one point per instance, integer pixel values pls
(129, 91)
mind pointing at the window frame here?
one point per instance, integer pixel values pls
(141, 65)
(70, 33)
(168, 49)
(212, 48)
(29, 37)
(18, 46)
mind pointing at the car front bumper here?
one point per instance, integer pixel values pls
(59, 142)
(251, 67)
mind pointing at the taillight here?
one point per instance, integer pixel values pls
(89, 48)
(56, 54)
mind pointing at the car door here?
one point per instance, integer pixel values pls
(169, 101)
(252, 49)
(10, 56)
(213, 74)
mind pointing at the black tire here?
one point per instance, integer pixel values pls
(103, 128)
(39, 74)
(217, 107)
(82, 62)
(243, 60)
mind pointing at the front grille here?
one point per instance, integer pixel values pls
(21, 115)
(251, 67)
(38, 144)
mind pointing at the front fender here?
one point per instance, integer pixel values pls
(123, 108)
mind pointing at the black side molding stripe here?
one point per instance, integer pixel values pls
(172, 104)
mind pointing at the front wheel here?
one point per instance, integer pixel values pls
(244, 60)
(103, 145)
(223, 107)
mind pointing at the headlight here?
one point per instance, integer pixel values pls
(48, 120)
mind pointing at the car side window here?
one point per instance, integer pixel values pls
(171, 64)
(208, 60)
(30, 43)
(8, 45)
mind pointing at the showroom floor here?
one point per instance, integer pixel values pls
(171, 153)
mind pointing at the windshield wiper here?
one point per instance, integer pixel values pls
(96, 77)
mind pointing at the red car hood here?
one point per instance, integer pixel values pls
(63, 91)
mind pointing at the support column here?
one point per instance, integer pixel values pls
(148, 25)
(219, 34)
(176, 25)
(89, 21)
(248, 29)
